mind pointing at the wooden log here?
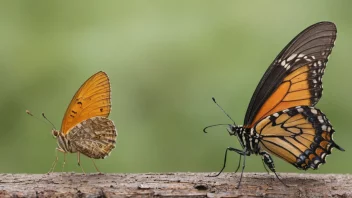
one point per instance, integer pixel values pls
(174, 184)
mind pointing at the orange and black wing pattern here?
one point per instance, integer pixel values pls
(295, 76)
(301, 135)
(92, 99)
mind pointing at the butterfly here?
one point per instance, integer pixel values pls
(85, 128)
(281, 118)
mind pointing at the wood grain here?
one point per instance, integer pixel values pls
(174, 184)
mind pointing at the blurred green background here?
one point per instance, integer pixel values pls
(165, 59)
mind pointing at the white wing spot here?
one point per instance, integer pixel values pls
(314, 111)
(324, 127)
(319, 63)
(291, 57)
(276, 115)
(300, 55)
(323, 155)
(283, 63)
(320, 118)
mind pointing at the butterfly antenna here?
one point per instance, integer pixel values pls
(224, 111)
(29, 113)
(214, 125)
(48, 120)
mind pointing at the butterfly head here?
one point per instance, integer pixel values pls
(55, 133)
(234, 129)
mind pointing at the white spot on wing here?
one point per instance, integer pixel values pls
(319, 63)
(283, 63)
(300, 55)
(323, 155)
(314, 111)
(320, 118)
(324, 127)
(291, 57)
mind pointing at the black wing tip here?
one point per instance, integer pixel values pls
(325, 23)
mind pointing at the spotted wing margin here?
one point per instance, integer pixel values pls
(301, 136)
(310, 48)
(91, 99)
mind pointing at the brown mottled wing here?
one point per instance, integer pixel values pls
(301, 136)
(95, 137)
(92, 99)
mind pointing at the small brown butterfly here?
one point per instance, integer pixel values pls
(85, 127)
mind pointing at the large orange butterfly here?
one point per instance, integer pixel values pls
(85, 127)
(281, 118)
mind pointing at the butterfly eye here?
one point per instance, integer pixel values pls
(232, 130)
(55, 133)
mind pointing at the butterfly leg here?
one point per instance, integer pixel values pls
(243, 166)
(240, 152)
(270, 164)
(63, 164)
(96, 168)
(239, 163)
(265, 166)
(53, 165)
(79, 161)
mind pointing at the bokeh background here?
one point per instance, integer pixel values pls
(165, 59)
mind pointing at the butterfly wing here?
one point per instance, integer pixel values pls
(294, 77)
(92, 99)
(94, 137)
(301, 136)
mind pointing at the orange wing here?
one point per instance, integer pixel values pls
(300, 88)
(92, 99)
(301, 136)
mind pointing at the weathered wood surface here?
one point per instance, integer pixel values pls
(174, 184)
